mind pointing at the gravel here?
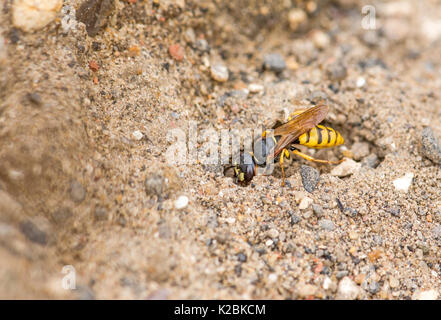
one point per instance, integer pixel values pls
(327, 224)
(219, 72)
(430, 145)
(310, 177)
(318, 210)
(347, 289)
(337, 72)
(274, 62)
(77, 191)
(33, 233)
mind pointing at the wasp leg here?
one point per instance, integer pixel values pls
(309, 158)
(285, 154)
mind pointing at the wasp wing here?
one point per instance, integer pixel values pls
(294, 128)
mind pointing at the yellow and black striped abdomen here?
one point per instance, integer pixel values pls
(321, 137)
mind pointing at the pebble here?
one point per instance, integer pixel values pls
(360, 150)
(61, 215)
(431, 294)
(242, 257)
(436, 231)
(337, 72)
(295, 219)
(100, 213)
(394, 282)
(94, 66)
(190, 36)
(403, 183)
(347, 289)
(33, 233)
(137, 135)
(296, 17)
(326, 224)
(34, 98)
(155, 185)
(181, 202)
(269, 243)
(310, 177)
(341, 274)
(176, 52)
(318, 96)
(273, 233)
(255, 88)
(95, 14)
(360, 82)
(318, 210)
(374, 287)
(77, 191)
(329, 284)
(31, 15)
(202, 45)
(370, 161)
(219, 72)
(430, 146)
(346, 168)
(320, 39)
(307, 214)
(305, 203)
(274, 62)
(272, 278)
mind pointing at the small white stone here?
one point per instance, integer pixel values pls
(361, 82)
(219, 72)
(272, 278)
(30, 15)
(296, 17)
(137, 135)
(299, 196)
(320, 39)
(231, 220)
(403, 183)
(269, 243)
(255, 88)
(347, 289)
(305, 203)
(431, 29)
(327, 283)
(346, 168)
(425, 295)
(181, 202)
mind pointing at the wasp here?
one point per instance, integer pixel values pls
(302, 128)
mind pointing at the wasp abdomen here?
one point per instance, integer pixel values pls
(321, 137)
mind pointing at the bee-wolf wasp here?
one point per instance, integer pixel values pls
(302, 128)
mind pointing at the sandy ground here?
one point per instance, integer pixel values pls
(80, 186)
